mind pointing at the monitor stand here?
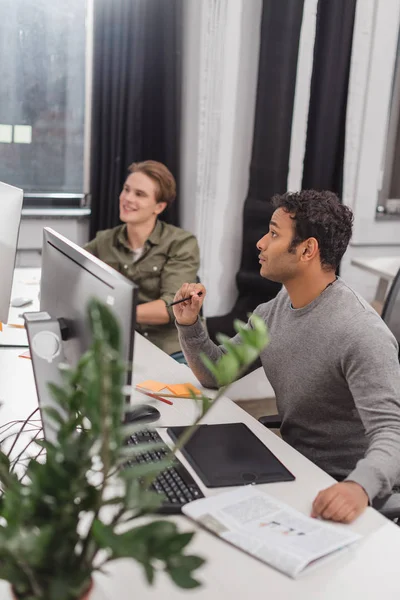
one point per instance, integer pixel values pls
(46, 349)
(45, 336)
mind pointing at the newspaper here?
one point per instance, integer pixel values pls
(270, 530)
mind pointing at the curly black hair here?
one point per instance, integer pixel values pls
(322, 216)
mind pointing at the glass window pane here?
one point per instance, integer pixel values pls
(42, 94)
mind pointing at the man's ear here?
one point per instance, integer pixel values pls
(310, 249)
(160, 207)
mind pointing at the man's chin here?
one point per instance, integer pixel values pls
(266, 274)
(127, 218)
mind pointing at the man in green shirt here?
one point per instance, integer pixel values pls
(157, 256)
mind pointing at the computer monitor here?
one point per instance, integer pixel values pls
(11, 206)
(72, 276)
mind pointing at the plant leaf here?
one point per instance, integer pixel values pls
(182, 578)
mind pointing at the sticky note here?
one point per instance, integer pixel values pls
(149, 384)
(5, 134)
(22, 134)
(26, 354)
(179, 390)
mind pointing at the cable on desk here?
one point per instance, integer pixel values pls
(21, 430)
(16, 460)
(7, 426)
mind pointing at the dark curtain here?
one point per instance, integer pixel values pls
(323, 162)
(136, 97)
(280, 34)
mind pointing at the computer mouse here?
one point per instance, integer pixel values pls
(18, 302)
(144, 413)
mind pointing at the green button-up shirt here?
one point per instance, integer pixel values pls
(170, 258)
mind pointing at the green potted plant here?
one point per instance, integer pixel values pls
(75, 510)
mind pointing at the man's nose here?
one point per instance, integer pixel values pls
(262, 244)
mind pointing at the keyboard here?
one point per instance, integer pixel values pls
(175, 483)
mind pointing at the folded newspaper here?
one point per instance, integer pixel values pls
(270, 530)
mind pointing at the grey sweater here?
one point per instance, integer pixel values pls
(335, 371)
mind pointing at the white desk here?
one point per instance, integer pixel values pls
(366, 571)
(385, 268)
(25, 285)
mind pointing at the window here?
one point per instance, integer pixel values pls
(389, 193)
(42, 99)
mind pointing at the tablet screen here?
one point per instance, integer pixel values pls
(227, 454)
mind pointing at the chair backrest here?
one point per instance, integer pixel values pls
(198, 281)
(391, 309)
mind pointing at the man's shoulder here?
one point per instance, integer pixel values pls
(355, 317)
(106, 235)
(172, 232)
(349, 302)
(177, 241)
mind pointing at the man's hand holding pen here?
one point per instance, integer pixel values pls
(188, 302)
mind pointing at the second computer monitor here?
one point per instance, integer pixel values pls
(72, 276)
(11, 206)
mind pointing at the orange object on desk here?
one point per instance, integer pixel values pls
(174, 390)
(157, 397)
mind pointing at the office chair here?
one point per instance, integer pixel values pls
(201, 309)
(391, 308)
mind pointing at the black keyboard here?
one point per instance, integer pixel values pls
(175, 483)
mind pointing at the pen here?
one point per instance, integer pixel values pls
(157, 397)
(183, 299)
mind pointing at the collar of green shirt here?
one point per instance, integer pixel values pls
(154, 238)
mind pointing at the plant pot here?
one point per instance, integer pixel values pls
(86, 595)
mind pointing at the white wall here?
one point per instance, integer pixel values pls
(220, 65)
(30, 237)
(372, 67)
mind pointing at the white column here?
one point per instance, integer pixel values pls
(376, 30)
(302, 95)
(220, 66)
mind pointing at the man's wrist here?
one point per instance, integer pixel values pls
(359, 485)
(186, 324)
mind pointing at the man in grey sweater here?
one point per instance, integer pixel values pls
(331, 360)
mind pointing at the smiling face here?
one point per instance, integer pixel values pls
(138, 200)
(278, 261)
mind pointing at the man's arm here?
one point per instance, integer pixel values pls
(183, 262)
(193, 336)
(152, 313)
(182, 265)
(372, 370)
(371, 367)
(194, 339)
(92, 247)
